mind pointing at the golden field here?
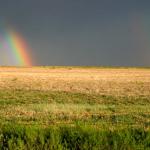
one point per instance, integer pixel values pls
(65, 95)
(112, 81)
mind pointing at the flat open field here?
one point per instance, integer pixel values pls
(95, 98)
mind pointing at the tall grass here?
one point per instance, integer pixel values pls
(78, 137)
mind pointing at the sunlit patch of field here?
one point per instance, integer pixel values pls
(101, 98)
(131, 81)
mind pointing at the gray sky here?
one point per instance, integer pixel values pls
(81, 32)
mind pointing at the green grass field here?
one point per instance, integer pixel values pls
(74, 108)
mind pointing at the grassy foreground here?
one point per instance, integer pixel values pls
(21, 137)
(74, 108)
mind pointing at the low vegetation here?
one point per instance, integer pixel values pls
(53, 138)
(74, 108)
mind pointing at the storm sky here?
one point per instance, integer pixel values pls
(81, 32)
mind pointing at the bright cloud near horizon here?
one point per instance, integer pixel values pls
(75, 32)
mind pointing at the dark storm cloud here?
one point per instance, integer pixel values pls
(82, 32)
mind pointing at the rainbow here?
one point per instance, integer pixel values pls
(17, 47)
(141, 37)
